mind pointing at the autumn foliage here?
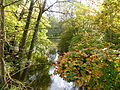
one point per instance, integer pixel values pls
(85, 67)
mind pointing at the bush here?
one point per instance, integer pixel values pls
(91, 67)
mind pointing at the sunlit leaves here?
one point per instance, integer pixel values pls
(86, 66)
(91, 60)
(110, 15)
(75, 67)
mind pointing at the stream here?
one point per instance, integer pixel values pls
(57, 82)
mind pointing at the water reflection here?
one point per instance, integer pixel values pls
(57, 82)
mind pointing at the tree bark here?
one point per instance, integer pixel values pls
(23, 40)
(2, 62)
(33, 41)
(24, 36)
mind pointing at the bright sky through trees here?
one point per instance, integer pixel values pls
(91, 3)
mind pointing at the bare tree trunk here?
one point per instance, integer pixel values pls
(2, 62)
(24, 36)
(33, 41)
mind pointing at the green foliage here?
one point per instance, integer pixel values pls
(38, 77)
(39, 64)
(90, 59)
(91, 67)
(79, 29)
(110, 78)
(108, 21)
(109, 16)
(65, 40)
(112, 37)
(14, 88)
(84, 33)
(10, 1)
(85, 39)
(54, 30)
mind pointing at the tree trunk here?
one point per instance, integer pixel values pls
(24, 36)
(23, 40)
(33, 41)
(2, 62)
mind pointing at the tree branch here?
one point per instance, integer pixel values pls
(56, 12)
(50, 6)
(12, 3)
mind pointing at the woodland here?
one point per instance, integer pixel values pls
(85, 35)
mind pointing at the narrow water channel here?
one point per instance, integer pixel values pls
(57, 82)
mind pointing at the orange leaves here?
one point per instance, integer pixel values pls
(78, 63)
(88, 77)
(85, 65)
(78, 83)
(97, 74)
(117, 61)
(118, 69)
(89, 71)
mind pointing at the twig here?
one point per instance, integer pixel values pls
(50, 6)
(10, 79)
(56, 12)
(18, 72)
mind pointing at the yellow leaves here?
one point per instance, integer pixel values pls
(89, 71)
(69, 62)
(78, 83)
(117, 61)
(117, 64)
(74, 69)
(101, 65)
(88, 88)
(85, 65)
(94, 64)
(118, 69)
(88, 77)
(110, 18)
(97, 74)
(77, 62)
(88, 59)
(75, 77)
(65, 70)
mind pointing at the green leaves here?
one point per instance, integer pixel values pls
(91, 66)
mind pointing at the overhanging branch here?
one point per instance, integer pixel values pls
(12, 3)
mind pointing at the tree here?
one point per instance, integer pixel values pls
(90, 61)
(41, 11)
(80, 28)
(2, 62)
(108, 20)
(24, 37)
(13, 32)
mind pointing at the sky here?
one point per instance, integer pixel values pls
(90, 3)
